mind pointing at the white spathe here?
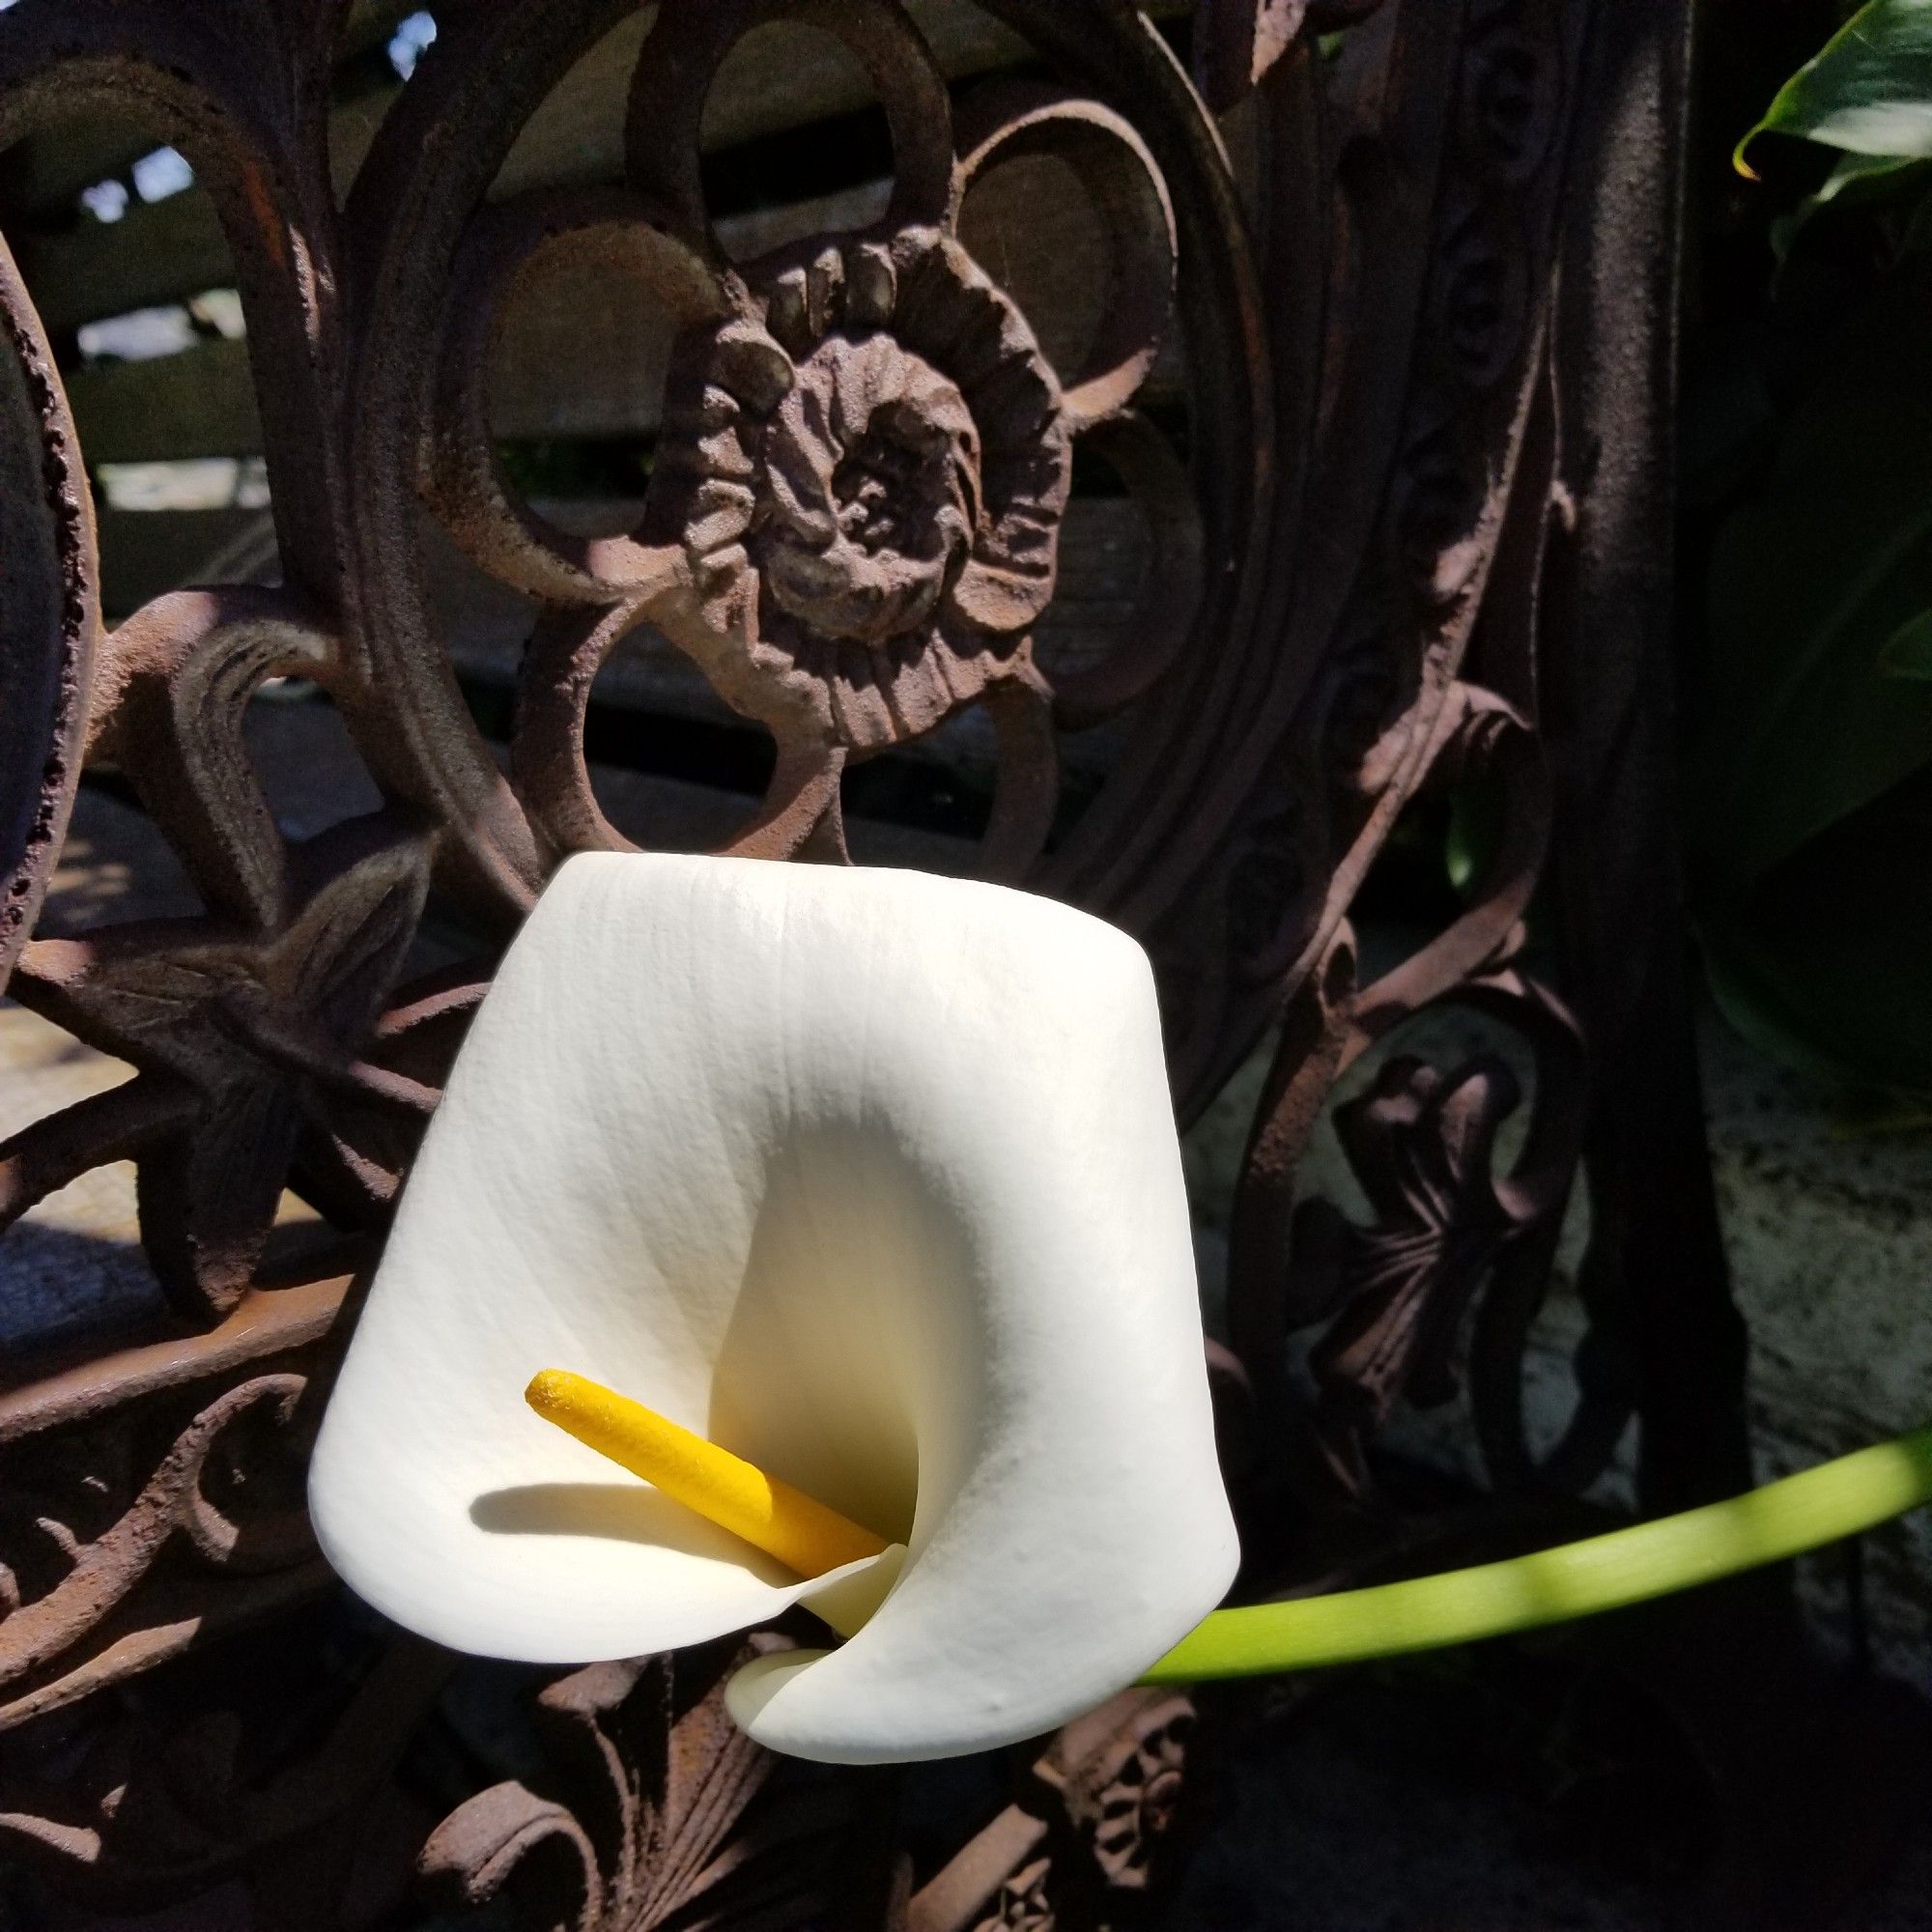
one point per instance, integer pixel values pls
(868, 1176)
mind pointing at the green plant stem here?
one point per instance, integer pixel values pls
(1784, 1520)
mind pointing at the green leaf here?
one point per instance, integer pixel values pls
(1808, 587)
(1856, 182)
(1752, 994)
(1869, 90)
(1908, 651)
(1477, 813)
(1824, 966)
(1860, 177)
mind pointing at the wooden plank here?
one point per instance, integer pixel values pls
(583, 354)
(774, 81)
(1103, 547)
(153, 254)
(315, 778)
(146, 552)
(1103, 551)
(585, 358)
(45, 172)
(175, 249)
(200, 403)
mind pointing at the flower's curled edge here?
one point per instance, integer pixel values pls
(871, 1177)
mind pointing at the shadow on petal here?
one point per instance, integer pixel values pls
(626, 1511)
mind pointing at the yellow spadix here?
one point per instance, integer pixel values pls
(800, 1531)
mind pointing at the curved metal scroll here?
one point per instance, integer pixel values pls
(1323, 382)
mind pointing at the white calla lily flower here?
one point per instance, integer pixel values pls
(869, 1176)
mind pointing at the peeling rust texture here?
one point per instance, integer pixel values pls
(1327, 382)
(49, 615)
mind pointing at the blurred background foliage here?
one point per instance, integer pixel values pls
(1807, 542)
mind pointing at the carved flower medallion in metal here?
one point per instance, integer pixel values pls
(866, 473)
(863, 457)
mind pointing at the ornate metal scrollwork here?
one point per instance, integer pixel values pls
(1332, 409)
(671, 1818)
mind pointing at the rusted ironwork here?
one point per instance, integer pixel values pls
(1356, 491)
(672, 1816)
(50, 617)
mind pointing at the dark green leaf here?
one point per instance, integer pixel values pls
(1908, 651)
(1477, 812)
(1751, 993)
(1857, 182)
(1855, 176)
(1870, 91)
(1824, 967)
(1807, 586)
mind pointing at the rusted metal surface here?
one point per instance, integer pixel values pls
(49, 612)
(670, 1815)
(852, 530)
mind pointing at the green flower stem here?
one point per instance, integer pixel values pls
(1577, 1579)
